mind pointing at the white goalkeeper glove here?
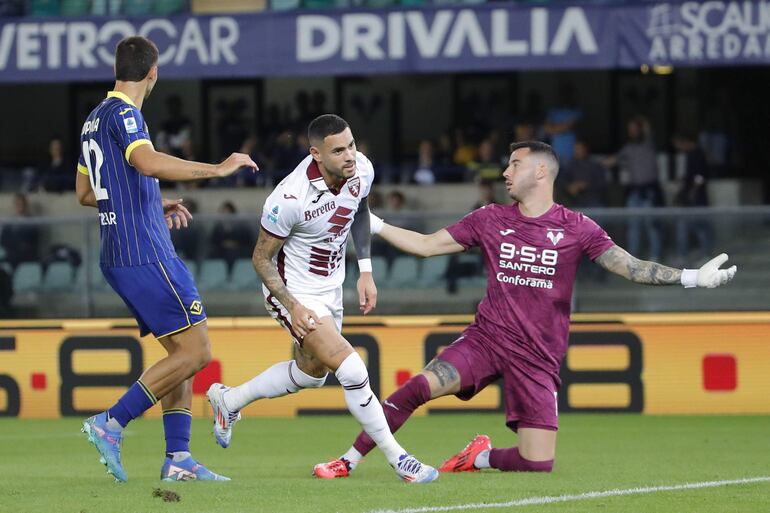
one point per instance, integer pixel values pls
(709, 275)
(375, 224)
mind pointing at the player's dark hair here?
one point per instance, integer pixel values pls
(537, 147)
(134, 56)
(325, 125)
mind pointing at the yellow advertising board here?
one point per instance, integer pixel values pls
(644, 363)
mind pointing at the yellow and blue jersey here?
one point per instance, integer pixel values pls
(137, 257)
(133, 230)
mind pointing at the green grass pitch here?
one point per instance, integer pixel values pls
(47, 466)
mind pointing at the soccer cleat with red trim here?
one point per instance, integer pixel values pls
(335, 468)
(463, 461)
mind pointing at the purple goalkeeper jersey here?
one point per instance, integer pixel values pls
(531, 265)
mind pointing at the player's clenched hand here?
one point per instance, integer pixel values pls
(233, 163)
(367, 293)
(709, 275)
(303, 320)
(175, 214)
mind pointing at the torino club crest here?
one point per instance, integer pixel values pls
(354, 185)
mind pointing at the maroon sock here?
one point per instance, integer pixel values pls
(509, 460)
(398, 407)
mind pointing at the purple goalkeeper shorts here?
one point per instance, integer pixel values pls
(529, 392)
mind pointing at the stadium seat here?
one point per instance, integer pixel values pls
(28, 276)
(138, 7)
(213, 275)
(380, 269)
(166, 7)
(284, 5)
(44, 8)
(75, 7)
(403, 272)
(192, 266)
(243, 276)
(59, 276)
(434, 271)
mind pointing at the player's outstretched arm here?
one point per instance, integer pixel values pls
(414, 243)
(166, 167)
(362, 241)
(303, 320)
(619, 261)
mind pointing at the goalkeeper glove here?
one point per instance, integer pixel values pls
(709, 275)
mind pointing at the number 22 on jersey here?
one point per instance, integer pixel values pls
(94, 175)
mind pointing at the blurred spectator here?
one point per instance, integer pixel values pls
(464, 150)
(245, 177)
(286, 155)
(714, 141)
(692, 193)
(486, 195)
(21, 242)
(560, 123)
(396, 215)
(375, 201)
(424, 174)
(231, 127)
(175, 136)
(231, 239)
(56, 174)
(639, 165)
(470, 264)
(186, 241)
(486, 168)
(584, 180)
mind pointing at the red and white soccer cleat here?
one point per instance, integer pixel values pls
(335, 468)
(463, 461)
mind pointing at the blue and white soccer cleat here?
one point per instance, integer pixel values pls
(223, 418)
(187, 470)
(107, 443)
(411, 470)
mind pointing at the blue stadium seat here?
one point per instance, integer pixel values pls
(284, 5)
(192, 266)
(213, 275)
(434, 271)
(44, 8)
(28, 276)
(166, 7)
(403, 272)
(59, 276)
(380, 269)
(75, 7)
(244, 277)
(138, 7)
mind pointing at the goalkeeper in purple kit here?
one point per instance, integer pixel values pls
(531, 250)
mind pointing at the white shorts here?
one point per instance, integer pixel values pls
(323, 305)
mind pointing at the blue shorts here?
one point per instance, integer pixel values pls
(161, 295)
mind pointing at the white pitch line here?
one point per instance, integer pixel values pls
(530, 501)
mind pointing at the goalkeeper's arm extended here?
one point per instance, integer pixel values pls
(619, 261)
(414, 243)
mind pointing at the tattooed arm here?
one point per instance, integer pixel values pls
(619, 261)
(302, 319)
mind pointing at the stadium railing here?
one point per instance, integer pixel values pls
(64, 280)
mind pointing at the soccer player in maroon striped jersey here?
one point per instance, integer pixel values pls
(300, 257)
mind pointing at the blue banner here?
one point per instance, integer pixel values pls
(492, 37)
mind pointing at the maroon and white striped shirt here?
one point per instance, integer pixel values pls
(315, 222)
